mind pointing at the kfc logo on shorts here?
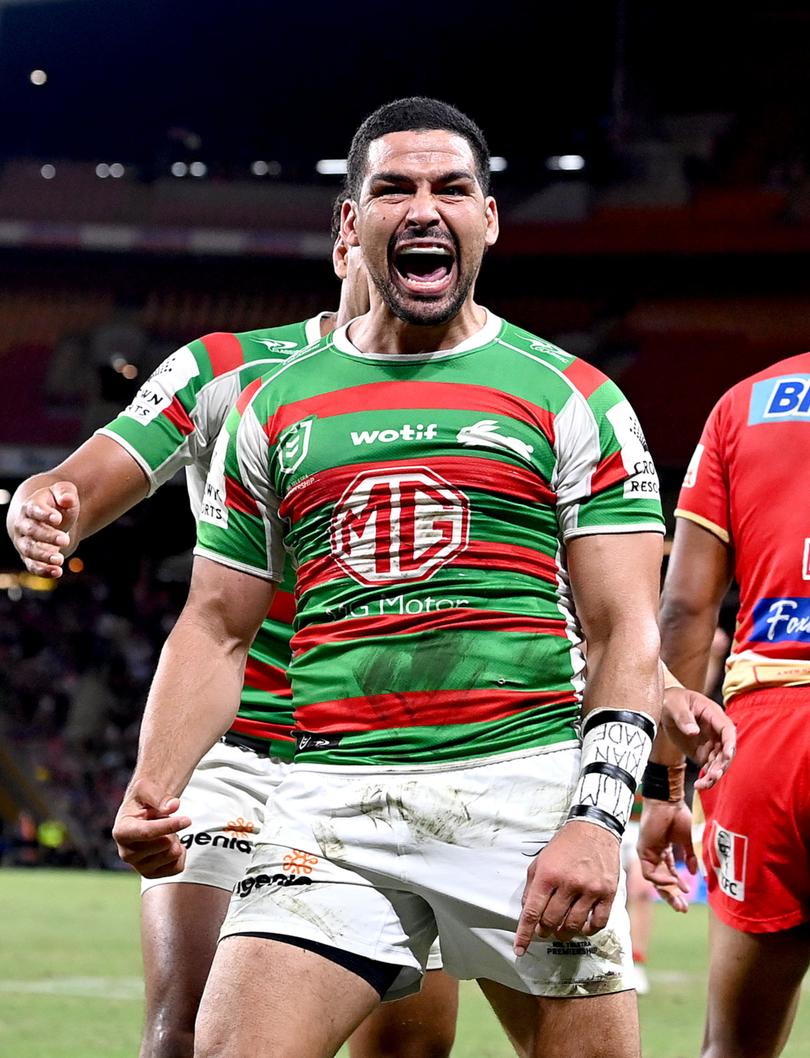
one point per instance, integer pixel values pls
(394, 525)
(728, 854)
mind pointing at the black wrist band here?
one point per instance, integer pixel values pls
(655, 784)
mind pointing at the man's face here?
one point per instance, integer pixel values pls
(423, 223)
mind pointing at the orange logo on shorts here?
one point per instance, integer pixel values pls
(299, 862)
(241, 826)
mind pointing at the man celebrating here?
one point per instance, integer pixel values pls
(463, 502)
(174, 421)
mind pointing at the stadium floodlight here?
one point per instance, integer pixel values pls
(497, 164)
(117, 170)
(48, 171)
(567, 163)
(179, 169)
(198, 169)
(262, 168)
(331, 166)
(38, 77)
(102, 170)
(5, 497)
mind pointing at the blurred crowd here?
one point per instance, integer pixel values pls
(75, 668)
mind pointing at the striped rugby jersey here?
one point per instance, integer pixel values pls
(426, 500)
(173, 422)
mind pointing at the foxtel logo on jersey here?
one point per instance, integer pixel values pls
(405, 433)
(782, 620)
(782, 399)
(394, 525)
(217, 841)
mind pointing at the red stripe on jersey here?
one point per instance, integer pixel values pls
(608, 472)
(224, 351)
(386, 396)
(238, 498)
(465, 472)
(178, 416)
(260, 729)
(262, 676)
(461, 619)
(244, 397)
(585, 377)
(282, 608)
(423, 709)
(479, 554)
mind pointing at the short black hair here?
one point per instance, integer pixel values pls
(415, 114)
(337, 210)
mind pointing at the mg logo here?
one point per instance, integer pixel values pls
(394, 525)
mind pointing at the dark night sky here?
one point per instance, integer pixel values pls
(290, 81)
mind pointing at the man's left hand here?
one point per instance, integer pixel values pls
(700, 729)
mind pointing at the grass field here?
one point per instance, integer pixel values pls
(70, 976)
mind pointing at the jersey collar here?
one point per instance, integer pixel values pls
(482, 337)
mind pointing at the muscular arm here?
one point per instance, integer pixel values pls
(572, 882)
(193, 700)
(615, 583)
(51, 513)
(699, 573)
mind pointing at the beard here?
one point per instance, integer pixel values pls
(423, 311)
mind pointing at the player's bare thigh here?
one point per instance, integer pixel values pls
(738, 1023)
(601, 1026)
(179, 929)
(268, 999)
(421, 1026)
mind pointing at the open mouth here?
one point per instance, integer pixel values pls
(425, 268)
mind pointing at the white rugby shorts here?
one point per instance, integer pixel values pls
(380, 863)
(225, 800)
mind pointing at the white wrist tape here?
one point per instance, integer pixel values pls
(615, 746)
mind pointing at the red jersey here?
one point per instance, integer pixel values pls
(749, 483)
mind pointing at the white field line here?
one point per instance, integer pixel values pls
(82, 987)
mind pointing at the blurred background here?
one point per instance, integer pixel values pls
(168, 169)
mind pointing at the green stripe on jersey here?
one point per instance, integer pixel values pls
(427, 501)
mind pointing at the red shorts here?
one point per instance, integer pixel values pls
(756, 845)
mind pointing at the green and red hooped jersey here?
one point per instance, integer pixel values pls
(426, 501)
(173, 422)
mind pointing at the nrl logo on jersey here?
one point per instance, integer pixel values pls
(293, 446)
(484, 434)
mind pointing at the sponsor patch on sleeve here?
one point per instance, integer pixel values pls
(642, 481)
(159, 390)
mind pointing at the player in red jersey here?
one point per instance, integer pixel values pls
(181, 916)
(742, 513)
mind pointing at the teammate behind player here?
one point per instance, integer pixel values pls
(742, 512)
(172, 422)
(443, 528)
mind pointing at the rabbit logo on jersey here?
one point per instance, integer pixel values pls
(394, 525)
(642, 481)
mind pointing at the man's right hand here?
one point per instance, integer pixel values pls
(145, 831)
(42, 529)
(665, 827)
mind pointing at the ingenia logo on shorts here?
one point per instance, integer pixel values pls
(394, 525)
